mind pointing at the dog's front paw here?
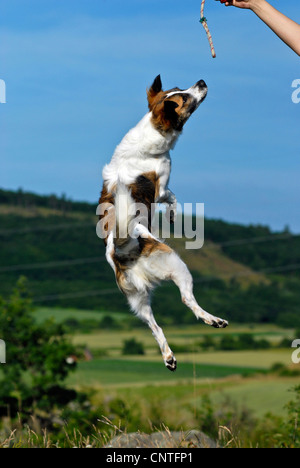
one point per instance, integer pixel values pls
(219, 323)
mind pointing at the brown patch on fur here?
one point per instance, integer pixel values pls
(121, 268)
(168, 113)
(147, 247)
(178, 99)
(155, 98)
(156, 103)
(150, 246)
(145, 190)
(159, 119)
(120, 276)
(155, 180)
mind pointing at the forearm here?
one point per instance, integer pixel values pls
(284, 27)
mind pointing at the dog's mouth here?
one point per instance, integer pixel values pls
(200, 90)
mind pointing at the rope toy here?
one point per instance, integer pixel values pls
(203, 21)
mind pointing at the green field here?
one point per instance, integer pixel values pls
(259, 393)
(238, 375)
(60, 315)
(107, 372)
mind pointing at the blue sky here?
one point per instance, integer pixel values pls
(76, 73)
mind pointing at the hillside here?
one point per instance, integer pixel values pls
(52, 241)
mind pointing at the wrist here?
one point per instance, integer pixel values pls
(257, 5)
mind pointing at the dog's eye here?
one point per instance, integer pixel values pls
(184, 98)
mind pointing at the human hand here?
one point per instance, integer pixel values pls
(246, 4)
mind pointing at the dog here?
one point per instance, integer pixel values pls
(139, 173)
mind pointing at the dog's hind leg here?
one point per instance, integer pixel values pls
(168, 266)
(140, 304)
(183, 279)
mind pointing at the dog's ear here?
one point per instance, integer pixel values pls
(157, 85)
(170, 113)
(153, 91)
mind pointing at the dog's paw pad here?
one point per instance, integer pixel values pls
(219, 323)
(171, 363)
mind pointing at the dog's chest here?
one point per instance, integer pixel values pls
(128, 170)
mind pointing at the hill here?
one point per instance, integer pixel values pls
(246, 273)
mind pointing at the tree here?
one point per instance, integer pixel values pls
(36, 357)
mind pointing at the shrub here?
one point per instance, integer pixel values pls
(37, 355)
(131, 347)
(109, 323)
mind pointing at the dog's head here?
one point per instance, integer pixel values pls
(172, 109)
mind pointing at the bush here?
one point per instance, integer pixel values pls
(243, 342)
(228, 343)
(109, 323)
(133, 347)
(37, 355)
(285, 343)
(207, 343)
(72, 324)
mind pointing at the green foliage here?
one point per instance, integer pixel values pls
(236, 427)
(285, 371)
(27, 200)
(266, 250)
(133, 347)
(275, 432)
(36, 357)
(243, 342)
(230, 342)
(206, 417)
(292, 424)
(109, 323)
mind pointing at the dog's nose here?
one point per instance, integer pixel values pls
(201, 84)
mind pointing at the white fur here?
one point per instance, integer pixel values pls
(143, 149)
(194, 91)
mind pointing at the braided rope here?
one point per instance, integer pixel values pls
(203, 21)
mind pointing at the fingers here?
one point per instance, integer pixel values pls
(227, 2)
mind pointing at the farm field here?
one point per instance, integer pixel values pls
(240, 376)
(111, 372)
(259, 394)
(110, 342)
(189, 337)
(260, 359)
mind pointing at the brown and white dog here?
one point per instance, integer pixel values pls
(139, 173)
